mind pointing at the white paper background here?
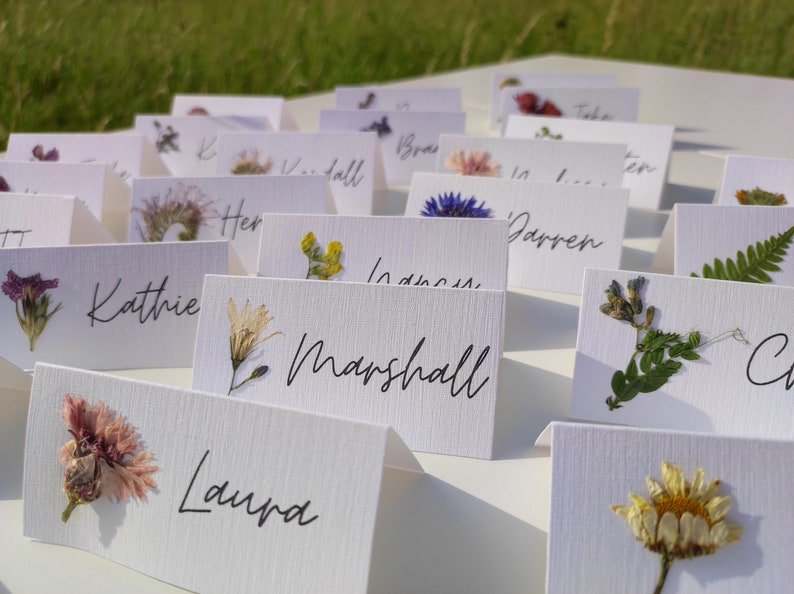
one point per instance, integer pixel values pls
(410, 250)
(378, 323)
(398, 99)
(594, 467)
(271, 108)
(563, 209)
(746, 173)
(247, 196)
(711, 395)
(274, 452)
(123, 343)
(28, 221)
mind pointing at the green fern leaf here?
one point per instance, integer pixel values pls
(752, 265)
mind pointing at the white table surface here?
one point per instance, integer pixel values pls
(473, 526)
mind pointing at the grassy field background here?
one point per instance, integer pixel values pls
(90, 65)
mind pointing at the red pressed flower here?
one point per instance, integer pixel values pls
(526, 102)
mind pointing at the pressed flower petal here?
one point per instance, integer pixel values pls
(655, 490)
(697, 485)
(668, 531)
(718, 507)
(700, 531)
(649, 521)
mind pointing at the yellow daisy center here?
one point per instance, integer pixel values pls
(678, 505)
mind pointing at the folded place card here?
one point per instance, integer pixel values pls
(758, 181)
(660, 511)
(555, 230)
(120, 306)
(398, 98)
(613, 104)
(188, 145)
(533, 160)
(458, 253)
(423, 360)
(647, 157)
(103, 192)
(14, 398)
(350, 160)
(408, 139)
(229, 207)
(256, 106)
(685, 353)
(741, 243)
(538, 80)
(207, 493)
(129, 155)
(41, 220)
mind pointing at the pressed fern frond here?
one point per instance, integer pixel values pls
(753, 265)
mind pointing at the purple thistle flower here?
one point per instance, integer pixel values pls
(50, 155)
(451, 205)
(17, 287)
(31, 292)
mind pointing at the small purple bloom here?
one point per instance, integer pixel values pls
(33, 287)
(40, 155)
(451, 205)
(4, 187)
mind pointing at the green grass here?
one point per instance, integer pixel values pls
(71, 65)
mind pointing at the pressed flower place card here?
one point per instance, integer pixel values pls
(120, 306)
(555, 230)
(660, 512)
(756, 181)
(458, 253)
(397, 98)
(350, 160)
(421, 359)
(408, 139)
(204, 492)
(273, 108)
(228, 207)
(685, 353)
(647, 157)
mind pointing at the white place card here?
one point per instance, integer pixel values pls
(389, 250)
(728, 488)
(14, 398)
(647, 157)
(382, 353)
(408, 139)
(715, 236)
(129, 155)
(582, 163)
(555, 230)
(188, 145)
(41, 220)
(382, 98)
(103, 192)
(540, 80)
(616, 104)
(273, 108)
(756, 180)
(229, 207)
(121, 306)
(350, 160)
(713, 356)
(228, 496)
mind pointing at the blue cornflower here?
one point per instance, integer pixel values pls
(451, 205)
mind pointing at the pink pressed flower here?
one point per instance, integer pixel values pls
(472, 163)
(104, 456)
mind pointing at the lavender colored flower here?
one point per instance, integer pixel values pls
(50, 155)
(4, 187)
(31, 292)
(451, 205)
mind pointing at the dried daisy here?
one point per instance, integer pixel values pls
(245, 329)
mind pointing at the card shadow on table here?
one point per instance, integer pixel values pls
(433, 537)
(13, 422)
(535, 323)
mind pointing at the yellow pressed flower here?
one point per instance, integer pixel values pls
(322, 266)
(245, 333)
(307, 243)
(682, 520)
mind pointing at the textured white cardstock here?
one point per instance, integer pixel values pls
(706, 232)
(103, 192)
(537, 80)
(458, 253)
(273, 108)
(249, 497)
(119, 306)
(619, 104)
(595, 467)
(408, 139)
(188, 145)
(129, 155)
(525, 159)
(40, 220)
(397, 98)
(229, 207)
(746, 173)
(734, 388)
(350, 160)
(555, 230)
(382, 353)
(647, 157)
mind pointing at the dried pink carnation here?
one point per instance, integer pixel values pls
(104, 456)
(472, 163)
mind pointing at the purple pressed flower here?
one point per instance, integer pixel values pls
(31, 292)
(451, 205)
(33, 287)
(4, 187)
(50, 155)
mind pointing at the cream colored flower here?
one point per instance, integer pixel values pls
(245, 333)
(472, 163)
